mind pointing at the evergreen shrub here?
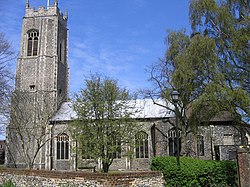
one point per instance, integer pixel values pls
(196, 173)
(8, 184)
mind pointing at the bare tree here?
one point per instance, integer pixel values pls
(7, 54)
(28, 130)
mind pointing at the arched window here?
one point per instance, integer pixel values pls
(118, 148)
(32, 47)
(141, 141)
(200, 145)
(87, 148)
(62, 146)
(172, 142)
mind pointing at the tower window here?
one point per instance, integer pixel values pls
(32, 87)
(35, 46)
(32, 47)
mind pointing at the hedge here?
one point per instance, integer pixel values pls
(196, 173)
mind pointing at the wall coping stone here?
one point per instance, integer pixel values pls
(243, 150)
(80, 174)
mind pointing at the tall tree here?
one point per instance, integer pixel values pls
(227, 22)
(187, 67)
(209, 68)
(104, 126)
(6, 79)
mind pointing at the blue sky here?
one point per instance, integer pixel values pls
(116, 38)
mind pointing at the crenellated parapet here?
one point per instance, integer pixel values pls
(51, 10)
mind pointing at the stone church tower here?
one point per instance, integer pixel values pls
(41, 84)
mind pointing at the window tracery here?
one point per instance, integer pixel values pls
(172, 142)
(62, 146)
(141, 141)
(32, 48)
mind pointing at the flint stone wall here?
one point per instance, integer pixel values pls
(31, 178)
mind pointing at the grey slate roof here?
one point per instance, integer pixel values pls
(145, 109)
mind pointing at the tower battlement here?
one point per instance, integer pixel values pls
(51, 10)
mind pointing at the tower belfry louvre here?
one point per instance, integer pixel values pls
(41, 83)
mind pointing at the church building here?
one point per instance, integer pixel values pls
(38, 137)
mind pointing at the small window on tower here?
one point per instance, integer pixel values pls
(32, 87)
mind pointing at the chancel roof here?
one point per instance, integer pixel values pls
(144, 109)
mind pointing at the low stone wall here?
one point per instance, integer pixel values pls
(31, 178)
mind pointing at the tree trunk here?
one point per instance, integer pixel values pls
(243, 136)
(183, 141)
(105, 167)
